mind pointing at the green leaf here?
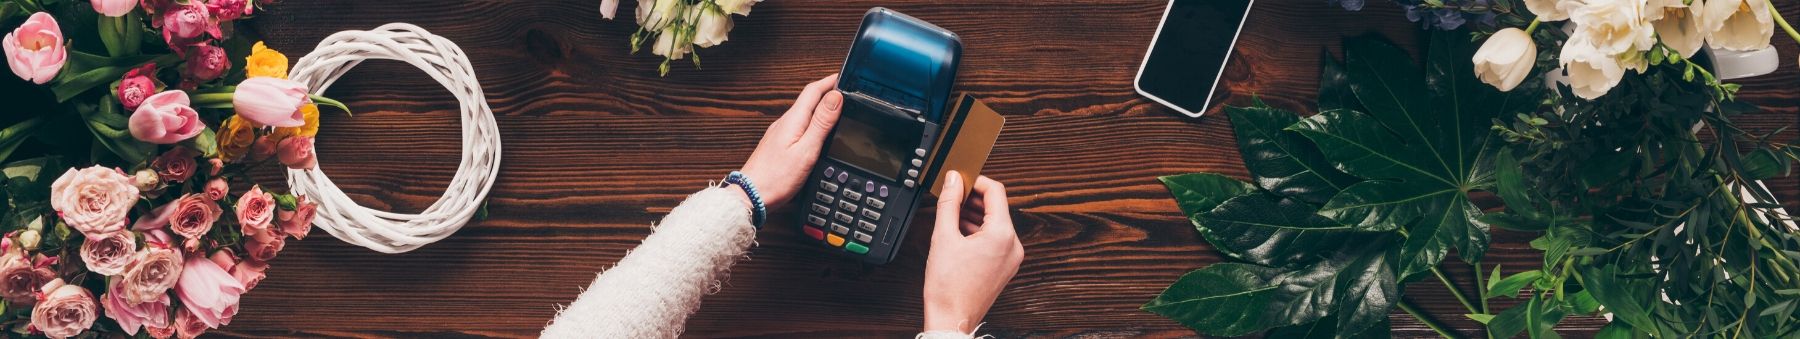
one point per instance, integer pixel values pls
(1220, 299)
(1760, 164)
(329, 102)
(1629, 299)
(1270, 230)
(1334, 85)
(1617, 330)
(1480, 318)
(1201, 192)
(1326, 328)
(1536, 318)
(1583, 302)
(1232, 299)
(87, 71)
(1284, 162)
(1511, 285)
(15, 135)
(110, 129)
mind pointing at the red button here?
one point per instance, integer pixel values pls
(814, 232)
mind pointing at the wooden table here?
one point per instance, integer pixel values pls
(597, 147)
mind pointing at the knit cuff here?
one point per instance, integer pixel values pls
(944, 335)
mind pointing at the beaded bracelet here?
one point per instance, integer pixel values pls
(757, 211)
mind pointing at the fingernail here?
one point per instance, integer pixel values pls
(834, 101)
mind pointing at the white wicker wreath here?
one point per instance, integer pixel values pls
(385, 231)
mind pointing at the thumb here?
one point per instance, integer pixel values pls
(824, 117)
(949, 209)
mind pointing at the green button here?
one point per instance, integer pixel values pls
(856, 248)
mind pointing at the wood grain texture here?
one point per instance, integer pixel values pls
(597, 147)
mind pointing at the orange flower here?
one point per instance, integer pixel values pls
(265, 62)
(234, 138)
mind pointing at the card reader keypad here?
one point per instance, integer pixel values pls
(846, 211)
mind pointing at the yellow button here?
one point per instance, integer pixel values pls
(835, 240)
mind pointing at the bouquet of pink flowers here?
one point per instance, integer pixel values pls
(117, 196)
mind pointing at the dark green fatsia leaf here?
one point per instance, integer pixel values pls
(1232, 299)
(1419, 145)
(1281, 161)
(1334, 85)
(1269, 230)
(1196, 193)
(1221, 299)
(1326, 328)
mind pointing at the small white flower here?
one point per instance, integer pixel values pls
(739, 7)
(710, 27)
(1551, 10)
(1739, 25)
(1505, 59)
(608, 8)
(1678, 24)
(1614, 26)
(1591, 72)
(654, 15)
(670, 44)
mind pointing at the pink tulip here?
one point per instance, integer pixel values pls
(297, 153)
(271, 101)
(136, 85)
(204, 63)
(114, 8)
(35, 50)
(165, 118)
(208, 291)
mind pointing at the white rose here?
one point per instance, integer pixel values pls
(1614, 26)
(739, 7)
(1551, 10)
(1739, 25)
(1506, 58)
(711, 26)
(29, 239)
(1677, 24)
(654, 15)
(668, 44)
(1591, 72)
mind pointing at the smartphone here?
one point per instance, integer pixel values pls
(1189, 51)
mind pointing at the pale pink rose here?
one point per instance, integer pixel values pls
(255, 210)
(249, 272)
(64, 310)
(208, 291)
(152, 315)
(114, 8)
(194, 215)
(298, 223)
(35, 50)
(165, 118)
(184, 24)
(176, 165)
(188, 326)
(108, 254)
(20, 278)
(228, 10)
(156, 219)
(156, 269)
(93, 200)
(271, 101)
(137, 85)
(162, 332)
(204, 63)
(263, 246)
(264, 148)
(216, 189)
(297, 153)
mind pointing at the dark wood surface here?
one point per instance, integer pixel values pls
(597, 147)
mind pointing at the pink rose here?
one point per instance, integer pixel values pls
(204, 63)
(176, 165)
(152, 273)
(208, 291)
(264, 148)
(64, 310)
(249, 272)
(165, 118)
(114, 8)
(131, 316)
(263, 246)
(271, 101)
(160, 332)
(184, 24)
(216, 189)
(35, 50)
(298, 223)
(93, 200)
(108, 254)
(137, 85)
(228, 10)
(20, 278)
(255, 210)
(194, 215)
(297, 153)
(188, 326)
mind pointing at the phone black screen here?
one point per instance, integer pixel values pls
(1190, 51)
(874, 141)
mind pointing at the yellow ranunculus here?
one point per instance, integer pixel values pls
(234, 138)
(311, 128)
(265, 62)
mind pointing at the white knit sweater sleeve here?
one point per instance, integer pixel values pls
(651, 292)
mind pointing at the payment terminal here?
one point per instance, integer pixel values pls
(875, 167)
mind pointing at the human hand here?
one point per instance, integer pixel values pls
(974, 253)
(789, 148)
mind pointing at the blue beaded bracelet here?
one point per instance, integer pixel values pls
(757, 211)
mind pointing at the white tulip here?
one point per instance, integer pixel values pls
(711, 26)
(670, 44)
(654, 15)
(1614, 26)
(1551, 10)
(739, 7)
(1591, 72)
(1739, 25)
(1506, 58)
(1678, 24)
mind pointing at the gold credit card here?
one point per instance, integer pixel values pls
(971, 132)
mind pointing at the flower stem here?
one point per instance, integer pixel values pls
(1532, 27)
(1454, 291)
(1779, 21)
(1416, 313)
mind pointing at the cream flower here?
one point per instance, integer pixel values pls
(668, 44)
(654, 15)
(1591, 72)
(1613, 26)
(1551, 10)
(711, 26)
(739, 7)
(1505, 59)
(1678, 24)
(1739, 25)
